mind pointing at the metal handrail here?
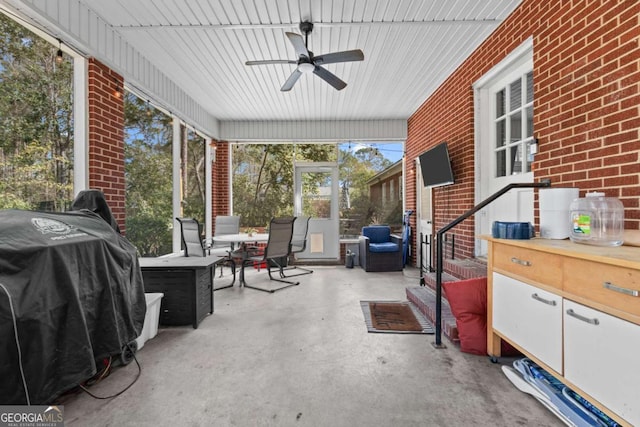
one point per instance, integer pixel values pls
(439, 261)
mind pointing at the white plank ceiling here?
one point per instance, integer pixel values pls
(410, 47)
(198, 48)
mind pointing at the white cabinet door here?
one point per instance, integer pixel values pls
(529, 317)
(601, 357)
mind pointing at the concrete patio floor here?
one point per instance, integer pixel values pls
(302, 357)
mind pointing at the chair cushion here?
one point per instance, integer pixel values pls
(377, 233)
(384, 247)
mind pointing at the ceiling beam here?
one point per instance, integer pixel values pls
(294, 25)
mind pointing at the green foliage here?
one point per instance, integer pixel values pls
(194, 184)
(356, 169)
(263, 179)
(10, 201)
(148, 172)
(36, 128)
(148, 178)
(151, 236)
(263, 183)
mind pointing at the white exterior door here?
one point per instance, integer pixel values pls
(505, 144)
(424, 217)
(316, 195)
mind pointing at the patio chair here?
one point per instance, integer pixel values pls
(195, 246)
(275, 253)
(224, 224)
(191, 237)
(379, 249)
(299, 244)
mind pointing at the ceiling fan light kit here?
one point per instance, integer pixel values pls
(307, 62)
(306, 67)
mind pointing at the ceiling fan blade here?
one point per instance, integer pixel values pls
(271, 61)
(329, 77)
(346, 56)
(293, 78)
(298, 44)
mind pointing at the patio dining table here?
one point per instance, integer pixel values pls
(239, 244)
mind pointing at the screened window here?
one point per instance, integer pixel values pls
(36, 121)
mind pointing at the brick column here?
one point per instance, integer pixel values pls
(221, 197)
(106, 137)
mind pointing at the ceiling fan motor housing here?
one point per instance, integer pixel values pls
(306, 27)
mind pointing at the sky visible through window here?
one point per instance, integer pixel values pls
(392, 151)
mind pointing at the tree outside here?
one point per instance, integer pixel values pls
(36, 126)
(148, 172)
(263, 182)
(263, 179)
(148, 135)
(356, 168)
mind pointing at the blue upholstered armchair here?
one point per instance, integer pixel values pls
(379, 249)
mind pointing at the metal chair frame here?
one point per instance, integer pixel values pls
(275, 253)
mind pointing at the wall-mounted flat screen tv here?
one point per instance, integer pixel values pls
(436, 166)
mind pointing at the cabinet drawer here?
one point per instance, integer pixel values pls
(616, 287)
(529, 317)
(600, 357)
(535, 265)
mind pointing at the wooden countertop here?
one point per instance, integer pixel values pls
(623, 256)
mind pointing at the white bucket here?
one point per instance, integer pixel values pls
(555, 219)
(151, 319)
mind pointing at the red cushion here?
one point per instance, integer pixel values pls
(468, 301)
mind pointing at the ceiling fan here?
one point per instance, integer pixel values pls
(307, 62)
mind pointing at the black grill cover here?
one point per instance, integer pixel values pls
(76, 296)
(95, 201)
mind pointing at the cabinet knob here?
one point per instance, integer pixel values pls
(612, 287)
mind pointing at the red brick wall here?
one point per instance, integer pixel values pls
(586, 108)
(587, 98)
(106, 137)
(221, 197)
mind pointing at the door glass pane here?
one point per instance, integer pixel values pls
(516, 127)
(515, 156)
(501, 164)
(515, 97)
(529, 87)
(529, 155)
(500, 104)
(501, 133)
(316, 194)
(529, 130)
